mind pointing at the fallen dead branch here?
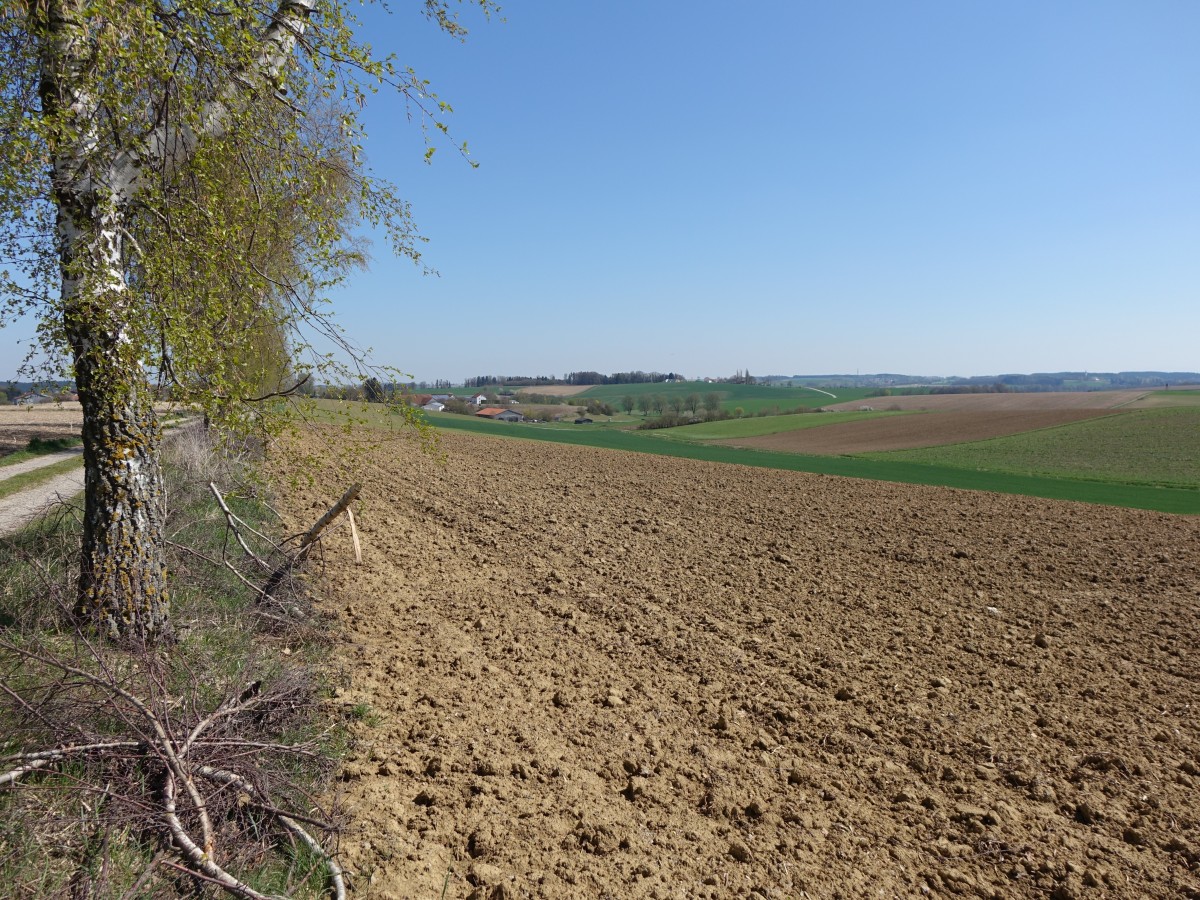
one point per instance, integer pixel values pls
(179, 753)
(307, 541)
(332, 513)
(233, 522)
(288, 822)
(30, 762)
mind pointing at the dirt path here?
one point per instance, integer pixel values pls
(600, 674)
(17, 510)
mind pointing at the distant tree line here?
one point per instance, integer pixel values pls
(572, 378)
(481, 381)
(994, 388)
(741, 377)
(636, 377)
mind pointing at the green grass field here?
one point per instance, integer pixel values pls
(1158, 399)
(752, 398)
(761, 425)
(1144, 446)
(1139, 495)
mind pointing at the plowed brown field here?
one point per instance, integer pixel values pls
(45, 420)
(613, 675)
(909, 432)
(998, 402)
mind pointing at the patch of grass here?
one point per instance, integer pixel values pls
(39, 447)
(1143, 446)
(758, 426)
(82, 857)
(1157, 399)
(36, 571)
(53, 445)
(34, 477)
(365, 713)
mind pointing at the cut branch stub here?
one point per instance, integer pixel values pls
(334, 511)
(309, 538)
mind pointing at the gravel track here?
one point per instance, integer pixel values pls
(17, 510)
(39, 462)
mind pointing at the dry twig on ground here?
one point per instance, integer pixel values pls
(182, 755)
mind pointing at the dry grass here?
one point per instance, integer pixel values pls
(152, 772)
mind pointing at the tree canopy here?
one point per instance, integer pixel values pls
(179, 188)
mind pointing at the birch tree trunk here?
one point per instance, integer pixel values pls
(139, 104)
(122, 572)
(122, 583)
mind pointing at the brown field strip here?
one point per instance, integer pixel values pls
(999, 402)
(44, 420)
(909, 432)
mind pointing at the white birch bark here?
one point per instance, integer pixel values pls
(122, 577)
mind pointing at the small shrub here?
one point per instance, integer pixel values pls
(52, 445)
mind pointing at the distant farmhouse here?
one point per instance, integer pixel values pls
(500, 415)
(34, 397)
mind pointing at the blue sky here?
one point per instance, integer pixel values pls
(931, 187)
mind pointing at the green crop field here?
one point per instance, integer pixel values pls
(1143, 446)
(1140, 496)
(760, 425)
(752, 398)
(1157, 399)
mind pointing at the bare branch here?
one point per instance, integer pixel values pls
(10, 777)
(332, 513)
(288, 822)
(233, 526)
(309, 537)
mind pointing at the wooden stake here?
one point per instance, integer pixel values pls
(354, 538)
(310, 536)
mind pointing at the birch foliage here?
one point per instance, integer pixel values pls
(179, 185)
(227, 135)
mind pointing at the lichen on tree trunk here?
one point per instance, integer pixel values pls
(122, 579)
(122, 585)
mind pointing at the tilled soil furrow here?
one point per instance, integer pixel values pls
(601, 674)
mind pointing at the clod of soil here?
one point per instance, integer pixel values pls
(511, 597)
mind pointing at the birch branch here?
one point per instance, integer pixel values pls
(309, 538)
(332, 513)
(233, 522)
(335, 871)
